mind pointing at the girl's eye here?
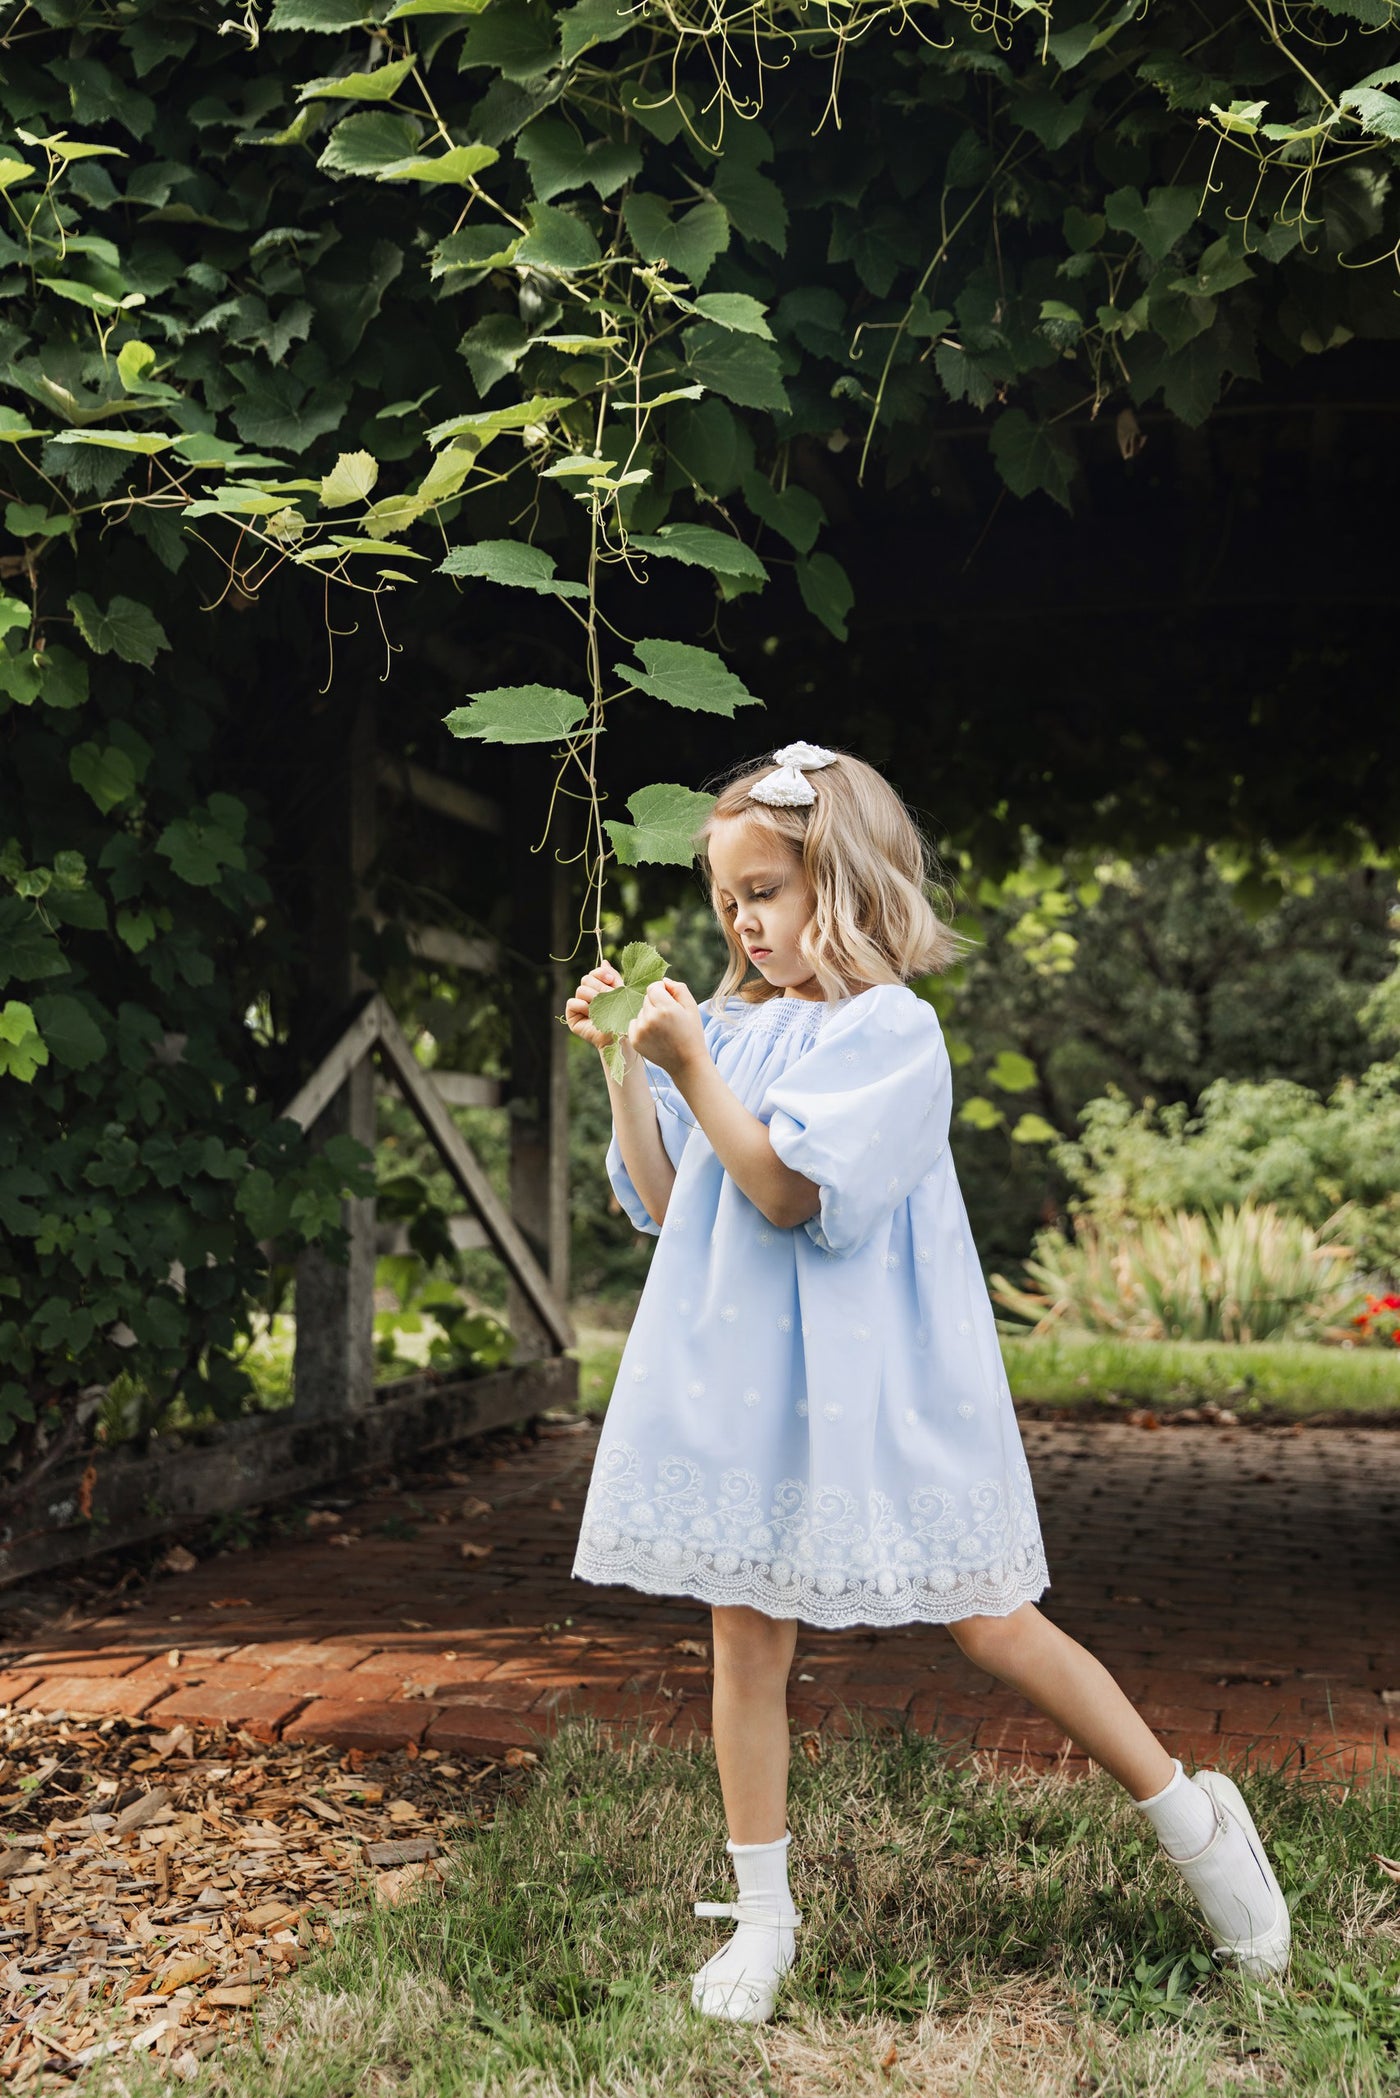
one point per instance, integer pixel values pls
(762, 895)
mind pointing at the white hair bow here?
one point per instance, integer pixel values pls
(786, 788)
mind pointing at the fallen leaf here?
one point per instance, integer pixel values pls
(887, 2061)
(403, 1810)
(469, 1550)
(473, 1506)
(183, 1972)
(179, 1560)
(519, 1758)
(699, 1647)
(812, 1747)
(392, 1886)
(556, 1506)
(231, 1602)
(85, 1488)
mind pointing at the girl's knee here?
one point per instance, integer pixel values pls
(750, 1639)
(987, 1641)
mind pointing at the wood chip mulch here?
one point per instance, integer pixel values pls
(154, 1885)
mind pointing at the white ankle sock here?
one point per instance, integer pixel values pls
(760, 1951)
(1182, 1816)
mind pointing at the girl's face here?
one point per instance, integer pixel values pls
(765, 901)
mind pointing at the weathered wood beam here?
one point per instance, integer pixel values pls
(462, 1163)
(431, 791)
(466, 1088)
(349, 1050)
(271, 1457)
(455, 950)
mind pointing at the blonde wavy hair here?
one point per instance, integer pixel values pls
(869, 872)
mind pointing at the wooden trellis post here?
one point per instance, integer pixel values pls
(335, 1303)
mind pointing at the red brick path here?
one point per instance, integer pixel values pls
(1244, 1586)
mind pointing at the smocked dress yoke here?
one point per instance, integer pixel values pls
(816, 1422)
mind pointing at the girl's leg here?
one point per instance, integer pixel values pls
(1204, 1824)
(1060, 1676)
(753, 1655)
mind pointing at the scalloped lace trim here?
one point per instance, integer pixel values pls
(813, 1553)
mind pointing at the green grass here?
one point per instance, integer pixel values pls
(1294, 1378)
(964, 1936)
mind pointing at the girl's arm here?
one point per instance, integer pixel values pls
(668, 1030)
(639, 1137)
(633, 1109)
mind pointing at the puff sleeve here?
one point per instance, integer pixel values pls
(675, 1121)
(865, 1112)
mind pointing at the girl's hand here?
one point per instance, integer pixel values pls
(669, 1029)
(603, 978)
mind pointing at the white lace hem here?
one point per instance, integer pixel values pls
(945, 1596)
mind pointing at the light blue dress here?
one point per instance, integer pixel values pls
(816, 1421)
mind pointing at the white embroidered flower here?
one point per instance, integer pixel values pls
(785, 1324)
(860, 1332)
(911, 1418)
(923, 1256)
(961, 1249)
(831, 1411)
(640, 1373)
(729, 1312)
(695, 1391)
(964, 1325)
(765, 1238)
(889, 1260)
(677, 1223)
(850, 1056)
(751, 1397)
(801, 1409)
(891, 1184)
(967, 1409)
(875, 1139)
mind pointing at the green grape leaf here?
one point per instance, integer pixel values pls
(349, 480)
(22, 1048)
(689, 245)
(736, 311)
(68, 1028)
(14, 613)
(458, 164)
(614, 1011)
(518, 714)
(702, 547)
(792, 512)
(665, 819)
(826, 591)
(743, 369)
(364, 145)
(126, 629)
(379, 86)
(1011, 1072)
(1030, 455)
(557, 241)
(559, 160)
(510, 561)
(108, 775)
(486, 423)
(685, 676)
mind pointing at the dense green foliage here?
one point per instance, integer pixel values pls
(323, 305)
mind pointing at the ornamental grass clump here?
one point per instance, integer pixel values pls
(1241, 1274)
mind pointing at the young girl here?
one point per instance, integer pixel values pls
(811, 1422)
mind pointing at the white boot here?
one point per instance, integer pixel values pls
(741, 1982)
(1235, 1885)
